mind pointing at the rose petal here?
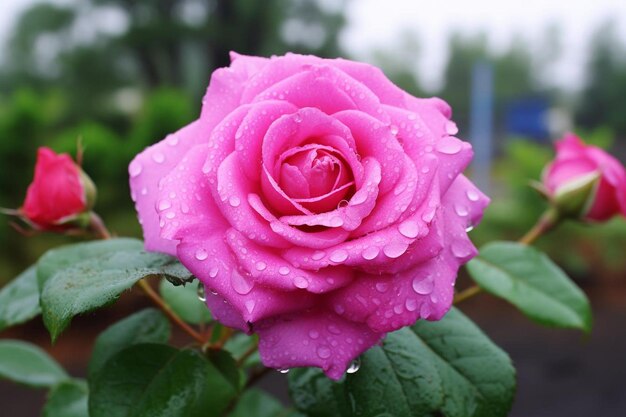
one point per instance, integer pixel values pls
(211, 260)
(317, 240)
(313, 338)
(185, 205)
(147, 169)
(269, 269)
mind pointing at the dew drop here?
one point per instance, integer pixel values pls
(172, 140)
(170, 215)
(359, 197)
(184, 208)
(394, 129)
(283, 270)
(135, 169)
(213, 271)
(158, 157)
(449, 146)
(398, 309)
(395, 249)
(314, 334)
(201, 292)
(300, 282)
(370, 252)
(201, 254)
(334, 329)
(234, 201)
(317, 255)
(425, 169)
(410, 304)
(423, 285)
(461, 210)
(354, 366)
(472, 195)
(164, 205)
(408, 229)
(260, 266)
(451, 128)
(339, 256)
(239, 283)
(469, 228)
(460, 249)
(250, 304)
(339, 309)
(283, 370)
(323, 352)
(428, 216)
(382, 287)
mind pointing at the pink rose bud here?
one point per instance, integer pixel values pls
(319, 204)
(585, 182)
(59, 194)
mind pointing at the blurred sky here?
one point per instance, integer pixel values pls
(379, 24)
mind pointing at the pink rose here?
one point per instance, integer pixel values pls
(59, 192)
(320, 205)
(577, 164)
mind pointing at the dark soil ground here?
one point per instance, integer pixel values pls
(560, 372)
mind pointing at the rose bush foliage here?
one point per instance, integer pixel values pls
(320, 205)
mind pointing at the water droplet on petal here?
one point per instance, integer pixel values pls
(339, 256)
(135, 169)
(395, 249)
(201, 254)
(461, 210)
(283, 370)
(250, 304)
(408, 229)
(370, 252)
(425, 169)
(239, 283)
(323, 352)
(382, 287)
(411, 304)
(260, 266)
(449, 146)
(354, 366)
(234, 201)
(158, 157)
(300, 282)
(201, 292)
(213, 271)
(314, 334)
(359, 197)
(334, 329)
(472, 195)
(423, 285)
(460, 249)
(317, 255)
(469, 228)
(451, 128)
(164, 205)
(283, 270)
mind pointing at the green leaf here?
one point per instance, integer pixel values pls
(146, 326)
(63, 257)
(19, 299)
(430, 369)
(183, 299)
(29, 365)
(148, 380)
(224, 362)
(533, 283)
(257, 403)
(67, 399)
(97, 281)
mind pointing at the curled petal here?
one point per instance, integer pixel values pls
(313, 338)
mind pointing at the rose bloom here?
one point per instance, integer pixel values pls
(320, 205)
(575, 162)
(58, 193)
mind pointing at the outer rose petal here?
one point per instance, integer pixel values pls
(147, 169)
(313, 338)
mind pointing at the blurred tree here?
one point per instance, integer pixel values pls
(513, 73)
(602, 101)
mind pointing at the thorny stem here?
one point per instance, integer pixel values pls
(156, 299)
(548, 220)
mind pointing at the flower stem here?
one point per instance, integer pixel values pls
(97, 226)
(548, 220)
(143, 284)
(247, 354)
